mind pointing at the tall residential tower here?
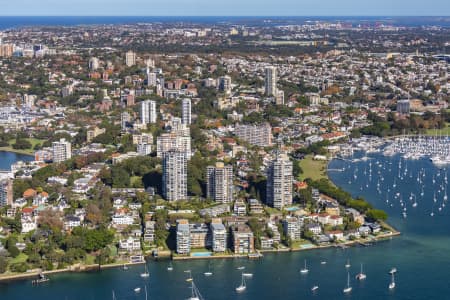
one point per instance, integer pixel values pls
(174, 176)
(271, 81)
(62, 150)
(148, 112)
(219, 180)
(186, 111)
(279, 182)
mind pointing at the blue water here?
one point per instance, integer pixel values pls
(8, 22)
(421, 255)
(8, 158)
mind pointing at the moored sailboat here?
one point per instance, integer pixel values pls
(305, 269)
(243, 286)
(361, 275)
(145, 274)
(347, 289)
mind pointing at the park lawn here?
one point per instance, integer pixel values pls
(314, 169)
(272, 211)
(443, 131)
(32, 141)
(22, 257)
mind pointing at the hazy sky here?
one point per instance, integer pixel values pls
(226, 7)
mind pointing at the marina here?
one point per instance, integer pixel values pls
(436, 148)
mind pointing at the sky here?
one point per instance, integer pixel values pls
(225, 8)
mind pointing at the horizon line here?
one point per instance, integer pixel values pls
(233, 16)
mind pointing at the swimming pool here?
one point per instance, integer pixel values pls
(293, 208)
(201, 254)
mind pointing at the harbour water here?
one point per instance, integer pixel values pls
(8, 158)
(420, 254)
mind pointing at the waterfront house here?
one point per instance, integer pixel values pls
(364, 230)
(322, 239)
(314, 228)
(375, 227)
(149, 232)
(336, 234)
(130, 244)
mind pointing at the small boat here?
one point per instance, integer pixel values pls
(247, 275)
(323, 262)
(41, 279)
(137, 290)
(304, 270)
(208, 273)
(393, 271)
(392, 284)
(146, 273)
(348, 265)
(170, 267)
(348, 289)
(361, 275)
(314, 288)
(243, 286)
(241, 268)
(125, 267)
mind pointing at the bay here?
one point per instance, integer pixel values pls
(8, 158)
(421, 253)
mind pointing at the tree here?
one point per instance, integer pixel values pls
(376, 214)
(3, 264)
(50, 220)
(13, 250)
(120, 177)
(94, 214)
(22, 144)
(94, 239)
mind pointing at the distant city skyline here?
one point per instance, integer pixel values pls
(225, 8)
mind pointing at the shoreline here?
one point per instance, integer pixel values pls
(16, 151)
(78, 268)
(95, 267)
(378, 238)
